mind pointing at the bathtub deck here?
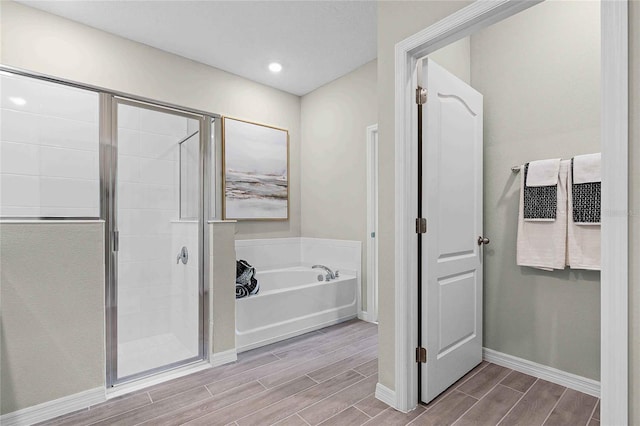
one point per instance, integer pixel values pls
(329, 376)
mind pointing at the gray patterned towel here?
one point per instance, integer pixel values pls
(540, 202)
(586, 201)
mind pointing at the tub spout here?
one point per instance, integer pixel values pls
(330, 274)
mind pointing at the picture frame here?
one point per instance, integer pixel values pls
(255, 171)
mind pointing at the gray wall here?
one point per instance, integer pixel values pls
(334, 160)
(540, 78)
(52, 327)
(223, 295)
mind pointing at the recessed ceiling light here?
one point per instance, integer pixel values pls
(17, 101)
(275, 67)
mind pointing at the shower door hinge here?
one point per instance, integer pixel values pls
(421, 96)
(421, 225)
(421, 355)
(116, 240)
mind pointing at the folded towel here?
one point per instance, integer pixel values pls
(543, 172)
(246, 284)
(583, 242)
(541, 201)
(585, 189)
(241, 291)
(586, 168)
(543, 244)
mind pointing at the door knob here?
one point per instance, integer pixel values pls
(183, 256)
(483, 240)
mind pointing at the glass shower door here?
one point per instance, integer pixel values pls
(156, 214)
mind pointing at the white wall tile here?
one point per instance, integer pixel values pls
(162, 123)
(159, 146)
(17, 126)
(63, 133)
(128, 142)
(128, 168)
(19, 191)
(158, 172)
(68, 102)
(19, 158)
(70, 163)
(14, 87)
(64, 192)
(128, 117)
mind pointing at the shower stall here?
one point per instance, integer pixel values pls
(155, 169)
(75, 152)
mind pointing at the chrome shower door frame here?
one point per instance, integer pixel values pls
(109, 192)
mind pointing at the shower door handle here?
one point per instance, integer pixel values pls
(183, 256)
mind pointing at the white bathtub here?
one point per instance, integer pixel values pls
(292, 301)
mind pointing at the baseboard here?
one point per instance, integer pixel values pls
(364, 316)
(385, 395)
(50, 409)
(224, 357)
(550, 374)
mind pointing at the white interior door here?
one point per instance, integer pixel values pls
(451, 255)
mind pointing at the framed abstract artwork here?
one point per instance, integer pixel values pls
(255, 171)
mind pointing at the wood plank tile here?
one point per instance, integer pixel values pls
(492, 408)
(391, 417)
(343, 365)
(347, 327)
(326, 343)
(349, 417)
(484, 380)
(207, 406)
(535, 405)
(294, 420)
(60, 419)
(453, 387)
(303, 369)
(447, 410)
(164, 390)
(371, 406)
(295, 403)
(157, 408)
(260, 372)
(106, 409)
(518, 381)
(594, 422)
(231, 413)
(368, 369)
(329, 407)
(596, 413)
(574, 408)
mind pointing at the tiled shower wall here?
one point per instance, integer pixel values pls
(152, 287)
(48, 149)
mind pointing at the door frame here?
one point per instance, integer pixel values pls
(614, 117)
(108, 194)
(372, 223)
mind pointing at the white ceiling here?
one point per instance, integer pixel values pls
(315, 41)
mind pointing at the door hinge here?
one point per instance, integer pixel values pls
(421, 96)
(116, 240)
(373, 235)
(421, 355)
(421, 225)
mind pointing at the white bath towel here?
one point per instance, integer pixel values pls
(583, 240)
(586, 168)
(543, 244)
(543, 172)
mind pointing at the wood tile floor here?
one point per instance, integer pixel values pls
(328, 377)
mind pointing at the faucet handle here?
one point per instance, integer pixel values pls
(337, 274)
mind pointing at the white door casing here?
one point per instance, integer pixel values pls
(372, 223)
(452, 203)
